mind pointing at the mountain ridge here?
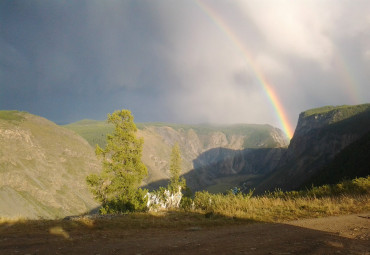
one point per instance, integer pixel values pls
(193, 140)
(321, 133)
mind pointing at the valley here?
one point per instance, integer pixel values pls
(43, 166)
(208, 152)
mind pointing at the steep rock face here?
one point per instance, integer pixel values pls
(213, 165)
(351, 162)
(210, 153)
(42, 168)
(320, 134)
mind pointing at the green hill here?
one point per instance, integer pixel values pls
(42, 168)
(93, 131)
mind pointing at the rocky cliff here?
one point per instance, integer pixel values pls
(320, 134)
(209, 152)
(42, 168)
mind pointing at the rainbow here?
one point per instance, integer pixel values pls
(272, 96)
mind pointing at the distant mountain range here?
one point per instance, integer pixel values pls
(43, 166)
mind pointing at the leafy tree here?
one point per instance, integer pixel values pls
(117, 187)
(175, 170)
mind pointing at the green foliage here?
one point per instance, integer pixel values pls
(160, 192)
(131, 201)
(175, 170)
(186, 200)
(117, 187)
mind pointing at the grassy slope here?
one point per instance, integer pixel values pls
(93, 131)
(346, 110)
(42, 168)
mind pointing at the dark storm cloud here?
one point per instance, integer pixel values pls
(58, 55)
(171, 61)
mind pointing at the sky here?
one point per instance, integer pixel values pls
(183, 61)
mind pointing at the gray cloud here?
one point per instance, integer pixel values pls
(172, 61)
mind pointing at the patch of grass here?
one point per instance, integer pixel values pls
(95, 132)
(12, 115)
(345, 110)
(343, 198)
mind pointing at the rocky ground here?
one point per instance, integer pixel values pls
(333, 235)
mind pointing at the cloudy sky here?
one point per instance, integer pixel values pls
(188, 61)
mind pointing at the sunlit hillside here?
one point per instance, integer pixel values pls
(42, 168)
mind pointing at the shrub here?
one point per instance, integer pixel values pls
(130, 202)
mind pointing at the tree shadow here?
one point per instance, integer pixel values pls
(172, 233)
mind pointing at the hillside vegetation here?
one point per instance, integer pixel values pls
(42, 168)
(203, 149)
(342, 198)
(345, 110)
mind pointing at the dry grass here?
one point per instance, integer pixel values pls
(278, 210)
(344, 198)
(217, 209)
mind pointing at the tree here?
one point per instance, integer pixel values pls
(175, 170)
(117, 187)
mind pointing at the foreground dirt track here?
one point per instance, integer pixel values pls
(334, 235)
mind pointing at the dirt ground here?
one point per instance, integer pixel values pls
(333, 235)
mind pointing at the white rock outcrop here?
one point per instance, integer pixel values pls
(165, 201)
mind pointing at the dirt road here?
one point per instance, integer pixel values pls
(334, 235)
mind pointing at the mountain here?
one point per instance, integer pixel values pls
(320, 135)
(350, 163)
(43, 168)
(207, 150)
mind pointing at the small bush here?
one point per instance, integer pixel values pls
(131, 202)
(186, 203)
(203, 200)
